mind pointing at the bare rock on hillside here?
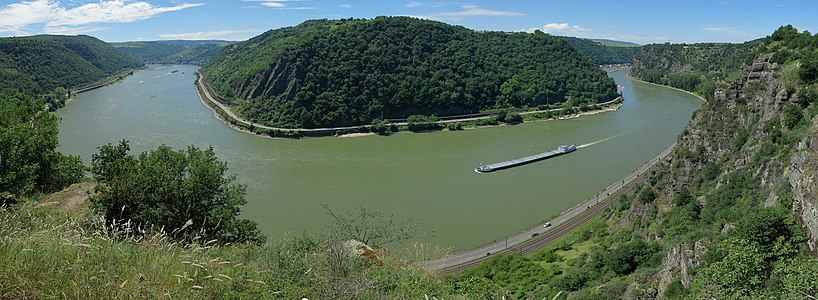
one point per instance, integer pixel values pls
(72, 198)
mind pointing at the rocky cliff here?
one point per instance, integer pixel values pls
(752, 146)
(802, 174)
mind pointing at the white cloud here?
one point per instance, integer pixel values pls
(559, 28)
(66, 30)
(231, 35)
(346, 6)
(470, 11)
(421, 4)
(279, 4)
(639, 39)
(718, 29)
(567, 29)
(726, 30)
(273, 4)
(17, 17)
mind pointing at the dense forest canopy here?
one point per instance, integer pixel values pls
(37, 65)
(602, 53)
(325, 73)
(172, 52)
(700, 68)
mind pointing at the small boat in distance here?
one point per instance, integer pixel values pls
(174, 71)
(525, 160)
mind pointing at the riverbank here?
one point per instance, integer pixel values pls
(628, 76)
(107, 81)
(232, 120)
(534, 238)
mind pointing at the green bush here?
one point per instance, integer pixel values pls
(382, 127)
(187, 192)
(455, 126)
(29, 161)
(792, 116)
(513, 118)
(808, 71)
(630, 256)
(419, 123)
(675, 290)
(646, 194)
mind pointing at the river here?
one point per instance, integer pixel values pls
(425, 177)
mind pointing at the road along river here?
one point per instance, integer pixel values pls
(427, 177)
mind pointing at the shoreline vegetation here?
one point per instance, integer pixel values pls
(107, 80)
(628, 76)
(500, 117)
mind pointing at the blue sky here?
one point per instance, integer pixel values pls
(637, 21)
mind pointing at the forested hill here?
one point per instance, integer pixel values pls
(325, 73)
(172, 52)
(39, 64)
(603, 54)
(700, 68)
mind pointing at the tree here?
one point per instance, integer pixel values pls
(806, 96)
(374, 229)
(29, 161)
(809, 67)
(172, 190)
(382, 127)
(418, 123)
(764, 226)
(628, 257)
(737, 275)
(513, 118)
(647, 195)
(792, 116)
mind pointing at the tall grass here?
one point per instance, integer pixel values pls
(47, 254)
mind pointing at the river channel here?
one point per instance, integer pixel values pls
(426, 177)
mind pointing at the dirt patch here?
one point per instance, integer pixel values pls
(72, 198)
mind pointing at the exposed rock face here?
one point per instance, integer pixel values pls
(72, 198)
(747, 105)
(755, 97)
(678, 261)
(802, 173)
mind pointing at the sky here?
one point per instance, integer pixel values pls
(639, 21)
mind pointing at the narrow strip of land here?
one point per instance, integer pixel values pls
(209, 96)
(106, 81)
(535, 238)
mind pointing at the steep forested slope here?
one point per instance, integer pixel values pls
(730, 214)
(603, 54)
(39, 64)
(699, 68)
(346, 72)
(172, 52)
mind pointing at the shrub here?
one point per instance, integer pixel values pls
(173, 190)
(647, 195)
(418, 123)
(513, 118)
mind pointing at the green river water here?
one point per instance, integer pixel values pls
(426, 177)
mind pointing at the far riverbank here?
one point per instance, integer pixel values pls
(628, 76)
(232, 120)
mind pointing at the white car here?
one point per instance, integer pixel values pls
(546, 225)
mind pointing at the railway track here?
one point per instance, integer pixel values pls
(582, 213)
